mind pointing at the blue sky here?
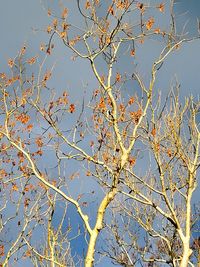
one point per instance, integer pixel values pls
(23, 21)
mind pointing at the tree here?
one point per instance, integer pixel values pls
(50, 144)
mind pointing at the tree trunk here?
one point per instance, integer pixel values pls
(89, 259)
(186, 254)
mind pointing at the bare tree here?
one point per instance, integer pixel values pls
(141, 151)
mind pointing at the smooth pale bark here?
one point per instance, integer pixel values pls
(89, 259)
(186, 254)
(187, 251)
